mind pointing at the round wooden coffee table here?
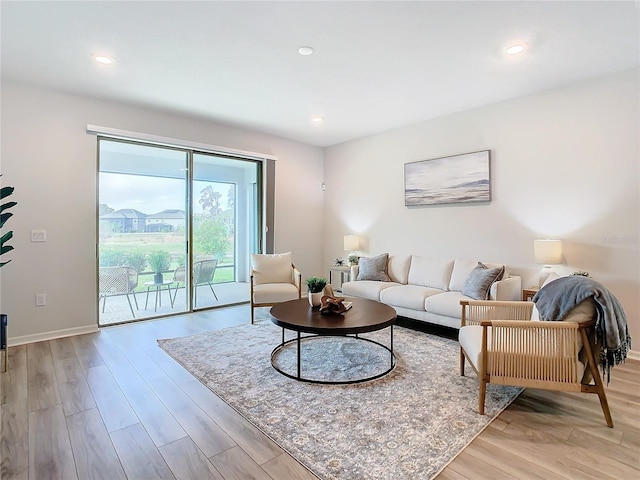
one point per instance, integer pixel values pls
(364, 316)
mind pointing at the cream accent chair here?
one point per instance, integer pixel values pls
(504, 346)
(274, 279)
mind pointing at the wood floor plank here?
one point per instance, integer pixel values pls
(70, 378)
(259, 447)
(156, 419)
(139, 456)
(14, 441)
(38, 349)
(612, 450)
(50, 454)
(482, 451)
(112, 404)
(235, 464)
(206, 434)
(62, 348)
(472, 467)
(85, 351)
(285, 466)
(187, 461)
(93, 451)
(42, 386)
(13, 382)
(144, 365)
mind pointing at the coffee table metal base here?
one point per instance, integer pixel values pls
(299, 377)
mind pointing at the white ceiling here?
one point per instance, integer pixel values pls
(377, 65)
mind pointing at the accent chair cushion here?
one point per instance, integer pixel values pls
(274, 293)
(479, 281)
(374, 268)
(271, 268)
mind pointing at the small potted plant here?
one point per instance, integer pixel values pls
(353, 259)
(316, 290)
(159, 261)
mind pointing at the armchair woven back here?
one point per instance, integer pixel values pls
(117, 280)
(534, 354)
(474, 312)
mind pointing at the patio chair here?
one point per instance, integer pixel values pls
(274, 279)
(203, 272)
(504, 346)
(117, 281)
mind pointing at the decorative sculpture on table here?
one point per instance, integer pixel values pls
(333, 305)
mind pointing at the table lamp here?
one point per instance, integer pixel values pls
(351, 244)
(547, 252)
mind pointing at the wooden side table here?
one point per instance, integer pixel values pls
(528, 293)
(343, 270)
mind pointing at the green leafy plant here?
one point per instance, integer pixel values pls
(353, 259)
(316, 284)
(112, 257)
(4, 216)
(159, 261)
(137, 260)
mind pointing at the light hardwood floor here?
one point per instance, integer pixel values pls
(113, 405)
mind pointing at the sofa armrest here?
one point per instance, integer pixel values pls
(507, 289)
(353, 274)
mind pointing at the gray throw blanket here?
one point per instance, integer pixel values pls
(555, 300)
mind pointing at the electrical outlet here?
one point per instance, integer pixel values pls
(41, 299)
(38, 235)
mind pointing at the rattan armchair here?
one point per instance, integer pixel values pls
(504, 346)
(203, 272)
(117, 281)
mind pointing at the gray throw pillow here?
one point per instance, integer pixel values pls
(479, 281)
(374, 268)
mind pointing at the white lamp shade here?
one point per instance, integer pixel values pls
(351, 243)
(548, 252)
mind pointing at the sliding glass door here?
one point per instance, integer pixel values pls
(175, 229)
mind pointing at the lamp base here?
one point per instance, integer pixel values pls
(544, 274)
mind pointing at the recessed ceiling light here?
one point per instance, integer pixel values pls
(104, 59)
(305, 51)
(317, 119)
(516, 49)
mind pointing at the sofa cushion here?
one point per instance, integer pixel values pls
(447, 304)
(398, 268)
(430, 272)
(271, 268)
(479, 281)
(408, 296)
(366, 288)
(374, 268)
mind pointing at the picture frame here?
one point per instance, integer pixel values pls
(464, 178)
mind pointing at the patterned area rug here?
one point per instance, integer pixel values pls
(408, 424)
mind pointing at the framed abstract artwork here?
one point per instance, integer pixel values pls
(464, 178)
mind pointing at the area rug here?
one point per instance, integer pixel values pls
(408, 424)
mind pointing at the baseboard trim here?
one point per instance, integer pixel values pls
(39, 337)
(633, 355)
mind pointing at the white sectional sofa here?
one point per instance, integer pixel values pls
(429, 289)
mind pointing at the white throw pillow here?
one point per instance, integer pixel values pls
(271, 268)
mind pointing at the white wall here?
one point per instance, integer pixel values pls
(49, 158)
(565, 164)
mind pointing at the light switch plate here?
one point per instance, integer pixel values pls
(38, 235)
